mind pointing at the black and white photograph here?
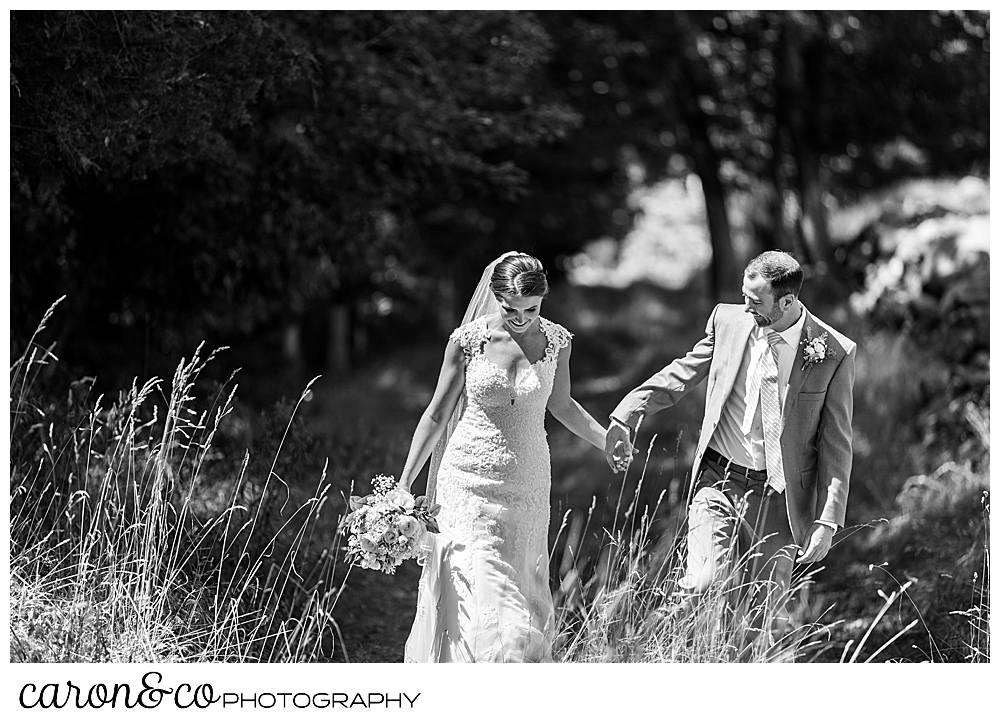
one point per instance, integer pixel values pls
(380, 336)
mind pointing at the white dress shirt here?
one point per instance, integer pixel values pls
(746, 448)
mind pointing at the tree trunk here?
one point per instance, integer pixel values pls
(338, 356)
(671, 37)
(686, 79)
(813, 219)
(799, 97)
(448, 313)
(781, 238)
(726, 279)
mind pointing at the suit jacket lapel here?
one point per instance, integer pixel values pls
(798, 375)
(734, 354)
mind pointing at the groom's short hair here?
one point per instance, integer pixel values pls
(780, 269)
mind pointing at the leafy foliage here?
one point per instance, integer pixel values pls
(129, 93)
(185, 173)
(263, 161)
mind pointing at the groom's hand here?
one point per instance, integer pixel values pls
(617, 446)
(818, 543)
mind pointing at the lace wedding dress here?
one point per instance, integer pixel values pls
(484, 591)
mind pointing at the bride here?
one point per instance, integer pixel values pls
(484, 592)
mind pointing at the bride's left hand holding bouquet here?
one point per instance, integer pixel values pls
(387, 526)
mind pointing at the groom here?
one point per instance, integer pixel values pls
(773, 462)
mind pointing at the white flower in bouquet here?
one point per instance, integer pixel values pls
(408, 526)
(387, 526)
(400, 498)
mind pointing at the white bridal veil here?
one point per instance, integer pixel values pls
(483, 303)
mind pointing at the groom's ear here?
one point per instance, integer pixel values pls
(786, 302)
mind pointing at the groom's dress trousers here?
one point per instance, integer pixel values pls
(733, 515)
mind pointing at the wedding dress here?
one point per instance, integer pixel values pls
(484, 591)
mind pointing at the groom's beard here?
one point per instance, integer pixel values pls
(762, 321)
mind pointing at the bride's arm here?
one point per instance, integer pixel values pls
(435, 418)
(567, 410)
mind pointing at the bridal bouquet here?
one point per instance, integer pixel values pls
(387, 526)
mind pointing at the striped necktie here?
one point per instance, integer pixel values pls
(764, 386)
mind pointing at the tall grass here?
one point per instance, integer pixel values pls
(135, 539)
(125, 548)
(621, 601)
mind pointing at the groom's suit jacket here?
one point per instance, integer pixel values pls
(816, 415)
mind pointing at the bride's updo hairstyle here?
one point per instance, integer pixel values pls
(519, 275)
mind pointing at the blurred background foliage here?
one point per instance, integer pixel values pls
(320, 183)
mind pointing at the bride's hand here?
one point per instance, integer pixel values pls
(618, 447)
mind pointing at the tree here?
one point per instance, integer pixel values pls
(225, 170)
(802, 105)
(102, 103)
(180, 174)
(674, 90)
(849, 100)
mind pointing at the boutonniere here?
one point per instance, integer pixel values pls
(815, 349)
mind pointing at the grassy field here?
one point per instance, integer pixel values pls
(173, 523)
(883, 551)
(144, 530)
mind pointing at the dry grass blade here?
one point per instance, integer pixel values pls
(881, 613)
(115, 556)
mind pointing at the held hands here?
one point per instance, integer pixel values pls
(618, 447)
(818, 543)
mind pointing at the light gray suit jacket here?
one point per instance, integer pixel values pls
(816, 416)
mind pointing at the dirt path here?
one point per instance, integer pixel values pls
(375, 614)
